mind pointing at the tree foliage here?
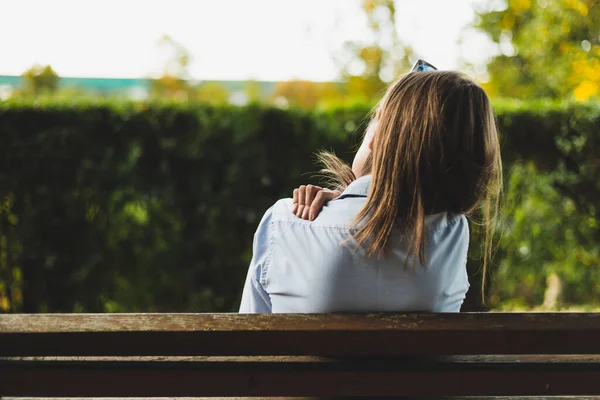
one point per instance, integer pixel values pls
(40, 80)
(174, 81)
(550, 48)
(307, 94)
(368, 64)
(211, 93)
(550, 220)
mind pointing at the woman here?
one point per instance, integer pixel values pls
(395, 238)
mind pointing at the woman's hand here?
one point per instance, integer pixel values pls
(309, 200)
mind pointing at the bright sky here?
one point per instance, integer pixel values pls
(228, 39)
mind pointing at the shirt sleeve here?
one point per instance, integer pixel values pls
(456, 291)
(255, 298)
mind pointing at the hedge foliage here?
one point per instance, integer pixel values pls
(152, 207)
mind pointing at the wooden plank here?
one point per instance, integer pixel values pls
(298, 322)
(354, 378)
(297, 334)
(408, 360)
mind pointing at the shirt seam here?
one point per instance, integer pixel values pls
(270, 245)
(311, 224)
(451, 220)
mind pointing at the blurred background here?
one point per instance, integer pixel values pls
(141, 141)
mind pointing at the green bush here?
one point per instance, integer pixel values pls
(152, 207)
(550, 220)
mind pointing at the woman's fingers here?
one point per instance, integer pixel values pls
(321, 198)
(311, 193)
(308, 200)
(317, 205)
(301, 198)
(295, 201)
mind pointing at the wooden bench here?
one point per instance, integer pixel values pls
(204, 355)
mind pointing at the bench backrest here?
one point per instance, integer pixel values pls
(194, 355)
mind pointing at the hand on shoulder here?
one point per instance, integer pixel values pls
(308, 200)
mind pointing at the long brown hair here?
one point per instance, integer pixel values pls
(435, 149)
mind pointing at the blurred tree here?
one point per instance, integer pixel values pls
(547, 238)
(368, 64)
(253, 92)
(298, 93)
(40, 80)
(330, 94)
(550, 48)
(178, 57)
(170, 87)
(308, 94)
(174, 82)
(211, 93)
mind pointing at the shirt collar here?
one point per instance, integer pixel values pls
(358, 188)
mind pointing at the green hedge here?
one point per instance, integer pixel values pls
(152, 207)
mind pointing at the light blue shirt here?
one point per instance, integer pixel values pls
(301, 266)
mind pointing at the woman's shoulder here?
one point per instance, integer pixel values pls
(282, 209)
(334, 214)
(443, 222)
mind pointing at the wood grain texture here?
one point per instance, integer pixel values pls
(298, 334)
(297, 322)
